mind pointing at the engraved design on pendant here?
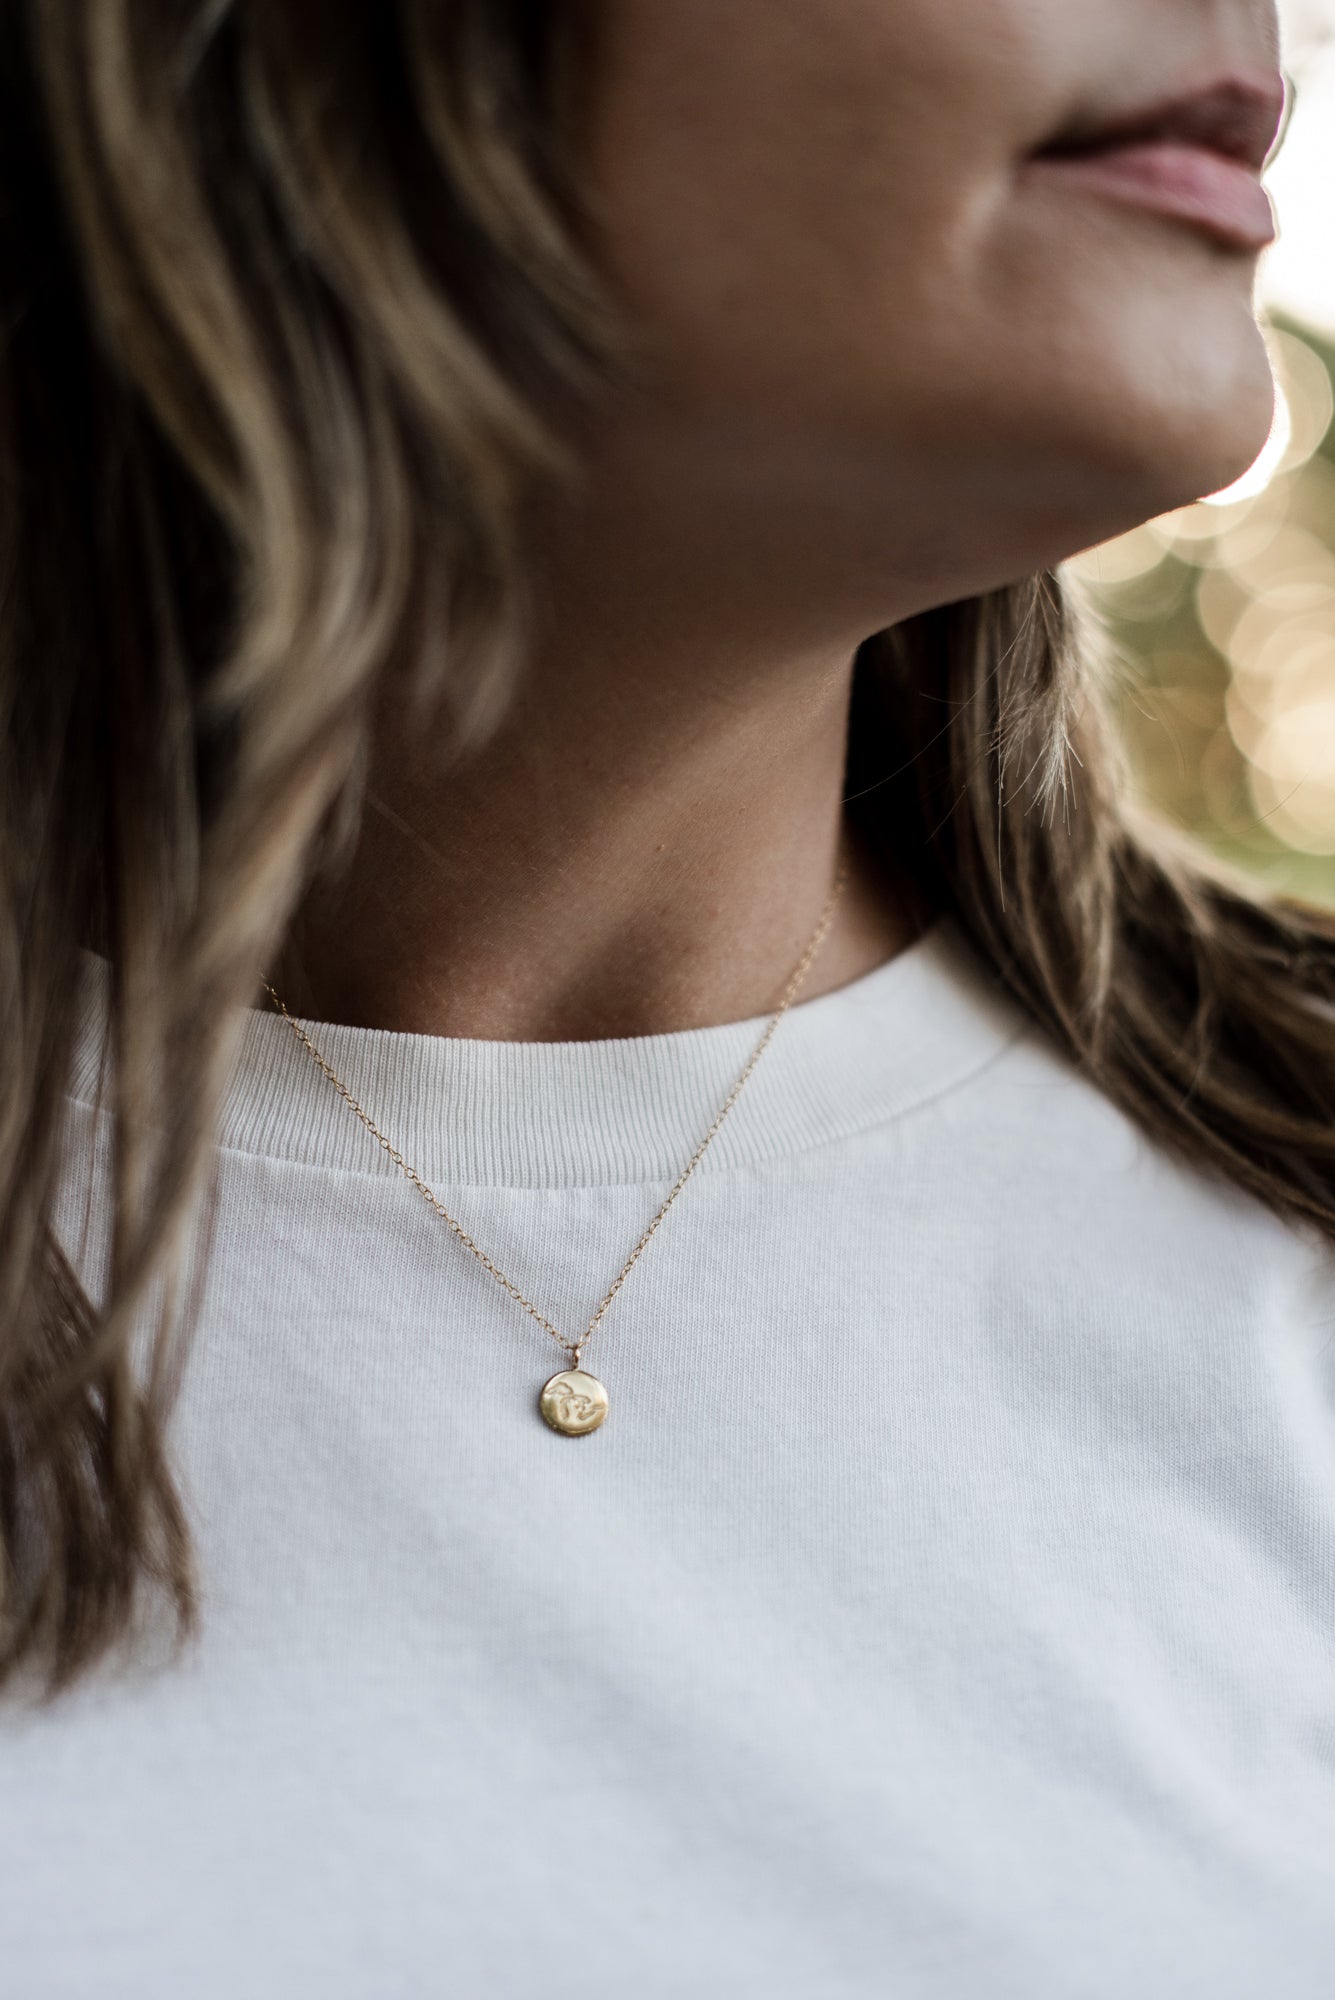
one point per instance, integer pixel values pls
(573, 1403)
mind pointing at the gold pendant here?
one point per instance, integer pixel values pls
(573, 1403)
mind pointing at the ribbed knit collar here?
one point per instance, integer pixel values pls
(561, 1114)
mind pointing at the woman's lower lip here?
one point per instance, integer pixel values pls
(1221, 196)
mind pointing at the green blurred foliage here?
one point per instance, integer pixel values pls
(1220, 620)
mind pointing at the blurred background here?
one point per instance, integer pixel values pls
(1221, 616)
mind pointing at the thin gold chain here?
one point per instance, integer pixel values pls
(574, 1348)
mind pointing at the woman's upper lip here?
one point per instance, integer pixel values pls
(1238, 117)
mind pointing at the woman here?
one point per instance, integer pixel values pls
(529, 550)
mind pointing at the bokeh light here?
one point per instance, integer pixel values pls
(1221, 616)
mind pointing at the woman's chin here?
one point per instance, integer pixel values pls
(1166, 400)
(1207, 426)
(1171, 459)
(1217, 451)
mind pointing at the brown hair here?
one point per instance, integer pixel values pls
(294, 296)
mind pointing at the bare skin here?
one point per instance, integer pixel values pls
(634, 852)
(885, 367)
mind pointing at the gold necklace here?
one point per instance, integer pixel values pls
(573, 1401)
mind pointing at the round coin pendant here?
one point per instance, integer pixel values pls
(573, 1403)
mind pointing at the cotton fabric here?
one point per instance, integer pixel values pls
(946, 1608)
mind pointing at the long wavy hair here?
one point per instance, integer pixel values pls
(292, 298)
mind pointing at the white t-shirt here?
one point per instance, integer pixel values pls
(946, 1608)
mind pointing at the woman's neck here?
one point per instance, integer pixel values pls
(646, 843)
